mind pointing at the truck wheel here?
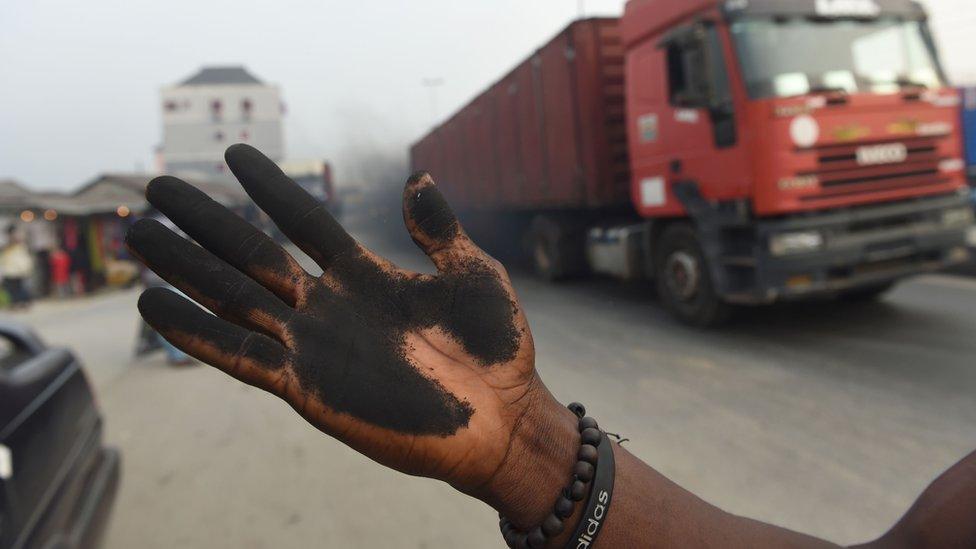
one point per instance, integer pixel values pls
(867, 293)
(555, 250)
(683, 278)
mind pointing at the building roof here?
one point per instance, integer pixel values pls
(215, 76)
(105, 193)
(12, 192)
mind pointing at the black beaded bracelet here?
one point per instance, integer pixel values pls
(583, 471)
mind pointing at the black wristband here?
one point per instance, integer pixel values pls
(598, 505)
(594, 448)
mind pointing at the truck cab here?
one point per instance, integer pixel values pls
(801, 147)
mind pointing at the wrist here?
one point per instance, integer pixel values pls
(538, 465)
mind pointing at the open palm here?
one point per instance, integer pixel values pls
(429, 374)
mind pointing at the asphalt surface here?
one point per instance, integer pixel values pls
(822, 418)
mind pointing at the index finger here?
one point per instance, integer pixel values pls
(298, 214)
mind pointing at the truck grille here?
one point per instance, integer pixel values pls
(841, 171)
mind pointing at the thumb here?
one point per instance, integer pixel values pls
(434, 227)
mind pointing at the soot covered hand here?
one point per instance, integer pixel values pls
(430, 374)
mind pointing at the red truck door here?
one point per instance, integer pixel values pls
(685, 113)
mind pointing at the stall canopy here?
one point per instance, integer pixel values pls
(106, 194)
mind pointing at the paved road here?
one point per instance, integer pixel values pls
(821, 418)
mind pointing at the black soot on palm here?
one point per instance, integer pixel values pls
(351, 349)
(361, 326)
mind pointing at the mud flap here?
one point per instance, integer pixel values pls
(708, 222)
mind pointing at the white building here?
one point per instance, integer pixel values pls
(213, 109)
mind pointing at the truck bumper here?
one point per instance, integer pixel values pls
(859, 247)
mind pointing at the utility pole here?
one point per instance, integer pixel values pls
(432, 84)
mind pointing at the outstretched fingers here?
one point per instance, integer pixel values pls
(228, 236)
(298, 214)
(207, 279)
(248, 356)
(434, 227)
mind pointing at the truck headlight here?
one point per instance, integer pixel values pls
(795, 243)
(957, 217)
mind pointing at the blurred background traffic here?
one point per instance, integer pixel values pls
(742, 229)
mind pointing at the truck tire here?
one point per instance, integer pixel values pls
(867, 293)
(555, 249)
(683, 279)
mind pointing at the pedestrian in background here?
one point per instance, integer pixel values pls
(41, 236)
(148, 339)
(16, 266)
(59, 265)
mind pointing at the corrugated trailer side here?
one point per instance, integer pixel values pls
(549, 135)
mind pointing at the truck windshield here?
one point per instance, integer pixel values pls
(784, 57)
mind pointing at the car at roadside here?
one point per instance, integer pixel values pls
(57, 478)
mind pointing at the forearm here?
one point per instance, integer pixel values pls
(943, 516)
(651, 511)
(647, 510)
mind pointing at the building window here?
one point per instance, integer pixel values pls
(219, 136)
(170, 106)
(215, 109)
(246, 108)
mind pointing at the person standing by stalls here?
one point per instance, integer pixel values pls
(41, 237)
(59, 265)
(75, 244)
(16, 266)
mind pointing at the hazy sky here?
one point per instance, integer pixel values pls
(80, 79)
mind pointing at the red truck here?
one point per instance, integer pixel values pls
(735, 151)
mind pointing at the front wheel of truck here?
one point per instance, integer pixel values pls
(683, 278)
